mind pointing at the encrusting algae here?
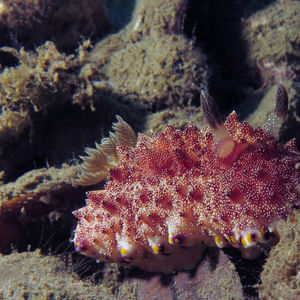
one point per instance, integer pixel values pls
(171, 194)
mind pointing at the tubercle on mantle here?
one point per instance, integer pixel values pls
(228, 184)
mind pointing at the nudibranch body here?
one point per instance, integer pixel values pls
(171, 194)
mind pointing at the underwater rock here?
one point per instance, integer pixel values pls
(280, 278)
(37, 195)
(37, 276)
(177, 117)
(214, 278)
(31, 275)
(38, 108)
(150, 60)
(30, 91)
(32, 22)
(26, 88)
(273, 40)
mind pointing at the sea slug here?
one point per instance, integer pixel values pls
(170, 195)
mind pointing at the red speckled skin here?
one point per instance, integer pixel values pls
(176, 180)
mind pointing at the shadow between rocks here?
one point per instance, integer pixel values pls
(61, 134)
(216, 27)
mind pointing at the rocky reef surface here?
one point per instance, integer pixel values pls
(60, 92)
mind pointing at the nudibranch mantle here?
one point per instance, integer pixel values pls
(170, 195)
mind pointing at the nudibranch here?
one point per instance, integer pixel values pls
(170, 195)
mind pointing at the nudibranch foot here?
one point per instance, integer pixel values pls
(178, 259)
(169, 196)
